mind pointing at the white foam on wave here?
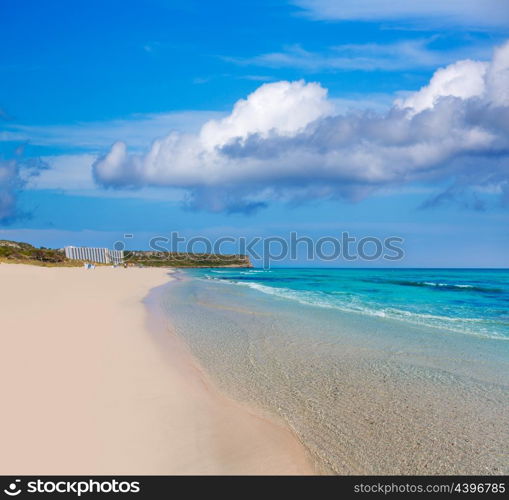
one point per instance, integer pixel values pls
(448, 285)
(354, 305)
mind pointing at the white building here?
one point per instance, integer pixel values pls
(101, 255)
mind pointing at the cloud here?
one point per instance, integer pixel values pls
(65, 172)
(9, 182)
(14, 173)
(137, 129)
(71, 174)
(464, 79)
(287, 141)
(280, 108)
(397, 56)
(257, 78)
(470, 13)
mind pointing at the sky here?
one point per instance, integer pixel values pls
(263, 118)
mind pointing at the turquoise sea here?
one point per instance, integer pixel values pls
(402, 371)
(473, 302)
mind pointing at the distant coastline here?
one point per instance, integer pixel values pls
(15, 252)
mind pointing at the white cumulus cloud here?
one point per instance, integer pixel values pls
(286, 141)
(282, 108)
(463, 79)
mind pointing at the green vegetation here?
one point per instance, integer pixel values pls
(24, 253)
(181, 259)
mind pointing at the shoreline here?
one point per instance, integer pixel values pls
(92, 386)
(273, 429)
(364, 395)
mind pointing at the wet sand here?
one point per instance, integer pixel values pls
(365, 395)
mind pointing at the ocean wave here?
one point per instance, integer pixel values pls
(439, 285)
(478, 327)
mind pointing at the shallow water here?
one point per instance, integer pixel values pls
(366, 390)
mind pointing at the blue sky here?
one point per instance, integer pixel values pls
(76, 79)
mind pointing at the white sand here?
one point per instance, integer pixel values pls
(88, 388)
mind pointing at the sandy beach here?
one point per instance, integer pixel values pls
(91, 386)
